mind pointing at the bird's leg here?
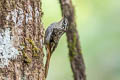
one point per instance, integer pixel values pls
(48, 60)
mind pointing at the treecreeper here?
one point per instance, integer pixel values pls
(52, 36)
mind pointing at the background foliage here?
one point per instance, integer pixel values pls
(98, 24)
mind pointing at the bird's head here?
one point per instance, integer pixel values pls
(63, 24)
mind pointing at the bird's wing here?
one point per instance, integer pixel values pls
(48, 33)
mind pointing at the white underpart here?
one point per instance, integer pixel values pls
(7, 50)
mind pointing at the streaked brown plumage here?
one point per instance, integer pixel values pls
(52, 36)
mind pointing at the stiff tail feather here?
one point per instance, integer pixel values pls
(47, 61)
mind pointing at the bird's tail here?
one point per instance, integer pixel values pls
(47, 61)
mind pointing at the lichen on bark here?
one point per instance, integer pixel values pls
(21, 20)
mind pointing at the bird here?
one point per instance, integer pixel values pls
(52, 36)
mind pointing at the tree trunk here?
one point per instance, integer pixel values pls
(21, 40)
(76, 58)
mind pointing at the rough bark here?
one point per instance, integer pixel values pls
(76, 58)
(21, 40)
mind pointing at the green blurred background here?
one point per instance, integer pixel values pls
(98, 23)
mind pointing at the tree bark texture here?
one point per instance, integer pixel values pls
(21, 40)
(76, 58)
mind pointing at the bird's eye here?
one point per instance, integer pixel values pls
(64, 23)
